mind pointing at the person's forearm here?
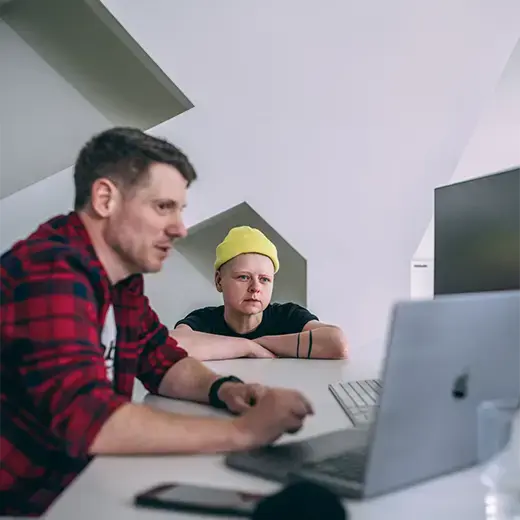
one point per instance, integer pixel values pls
(327, 343)
(188, 379)
(206, 347)
(139, 429)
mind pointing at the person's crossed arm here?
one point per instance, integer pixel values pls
(205, 346)
(304, 337)
(316, 340)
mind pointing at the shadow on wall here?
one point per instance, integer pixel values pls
(186, 282)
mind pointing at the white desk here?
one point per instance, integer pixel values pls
(106, 488)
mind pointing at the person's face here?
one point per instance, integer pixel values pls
(141, 226)
(246, 283)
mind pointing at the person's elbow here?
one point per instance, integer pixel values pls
(183, 335)
(68, 422)
(180, 331)
(191, 342)
(338, 344)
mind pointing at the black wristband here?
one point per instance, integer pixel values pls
(213, 397)
(310, 344)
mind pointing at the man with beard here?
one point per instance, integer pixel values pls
(77, 329)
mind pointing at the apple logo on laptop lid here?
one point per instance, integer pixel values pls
(460, 386)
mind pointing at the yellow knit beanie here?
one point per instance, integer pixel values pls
(245, 239)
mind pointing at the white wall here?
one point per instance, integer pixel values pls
(494, 145)
(334, 124)
(23, 211)
(179, 289)
(44, 120)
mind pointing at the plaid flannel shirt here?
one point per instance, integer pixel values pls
(55, 393)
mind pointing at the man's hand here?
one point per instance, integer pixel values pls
(240, 397)
(277, 412)
(257, 351)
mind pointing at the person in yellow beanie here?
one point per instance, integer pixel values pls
(248, 324)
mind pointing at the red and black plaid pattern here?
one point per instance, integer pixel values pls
(55, 394)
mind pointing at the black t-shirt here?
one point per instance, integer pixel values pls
(278, 319)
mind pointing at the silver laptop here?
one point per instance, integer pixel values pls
(444, 357)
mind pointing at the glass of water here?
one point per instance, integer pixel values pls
(495, 420)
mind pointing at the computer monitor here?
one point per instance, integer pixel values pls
(477, 234)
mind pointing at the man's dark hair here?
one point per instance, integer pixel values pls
(124, 155)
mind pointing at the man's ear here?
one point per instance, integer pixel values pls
(104, 197)
(218, 280)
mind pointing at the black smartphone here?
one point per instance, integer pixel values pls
(185, 497)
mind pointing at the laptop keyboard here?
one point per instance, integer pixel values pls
(346, 466)
(358, 399)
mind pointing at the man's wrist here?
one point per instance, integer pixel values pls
(213, 395)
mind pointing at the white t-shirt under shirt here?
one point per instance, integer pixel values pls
(109, 341)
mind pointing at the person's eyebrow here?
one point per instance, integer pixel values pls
(170, 203)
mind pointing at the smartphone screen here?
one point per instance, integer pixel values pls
(198, 498)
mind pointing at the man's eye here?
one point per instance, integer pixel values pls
(163, 207)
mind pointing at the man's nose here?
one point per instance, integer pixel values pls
(177, 229)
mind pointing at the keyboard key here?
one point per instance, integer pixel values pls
(358, 399)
